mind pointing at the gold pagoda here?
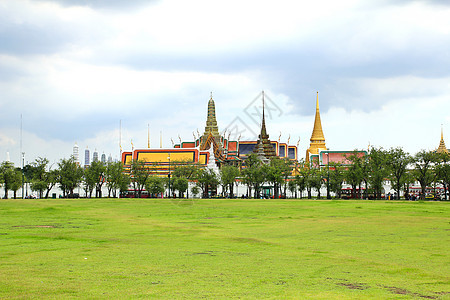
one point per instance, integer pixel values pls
(317, 137)
(442, 148)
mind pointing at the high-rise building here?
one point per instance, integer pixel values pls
(87, 157)
(95, 156)
(76, 154)
(103, 159)
(110, 159)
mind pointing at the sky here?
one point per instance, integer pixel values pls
(105, 73)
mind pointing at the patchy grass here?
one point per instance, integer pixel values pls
(136, 248)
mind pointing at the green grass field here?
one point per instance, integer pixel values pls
(153, 248)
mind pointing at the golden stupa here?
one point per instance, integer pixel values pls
(317, 137)
(442, 148)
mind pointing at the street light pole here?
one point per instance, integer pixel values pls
(23, 173)
(169, 174)
(328, 174)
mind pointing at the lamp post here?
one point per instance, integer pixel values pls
(23, 173)
(328, 174)
(169, 173)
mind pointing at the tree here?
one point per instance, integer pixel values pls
(354, 174)
(98, 171)
(253, 174)
(195, 190)
(277, 173)
(181, 185)
(207, 180)
(90, 180)
(185, 170)
(306, 172)
(300, 183)
(116, 179)
(42, 178)
(139, 174)
(228, 176)
(36, 173)
(378, 170)
(423, 169)
(52, 180)
(443, 171)
(11, 178)
(336, 177)
(154, 185)
(397, 163)
(409, 180)
(316, 180)
(16, 184)
(292, 186)
(70, 175)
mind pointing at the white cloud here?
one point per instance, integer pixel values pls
(75, 71)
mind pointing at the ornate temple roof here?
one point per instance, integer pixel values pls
(442, 148)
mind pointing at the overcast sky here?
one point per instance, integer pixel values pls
(74, 68)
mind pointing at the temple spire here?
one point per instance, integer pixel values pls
(442, 148)
(263, 124)
(263, 145)
(317, 136)
(211, 127)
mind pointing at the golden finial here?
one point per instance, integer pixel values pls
(148, 136)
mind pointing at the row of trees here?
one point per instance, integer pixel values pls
(361, 172)
(399, 167)
(68, 175)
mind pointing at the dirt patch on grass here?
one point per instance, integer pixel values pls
(354, 286)
(209, 253)
(36, 226)
(400, 291)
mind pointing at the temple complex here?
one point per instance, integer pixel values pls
(211, 148)
(317, 137)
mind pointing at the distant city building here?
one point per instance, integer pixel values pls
(95, 156)
(87, 157)
(103, 159)
(110, 159)
(76, 154)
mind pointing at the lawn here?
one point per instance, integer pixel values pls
(160, 248)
